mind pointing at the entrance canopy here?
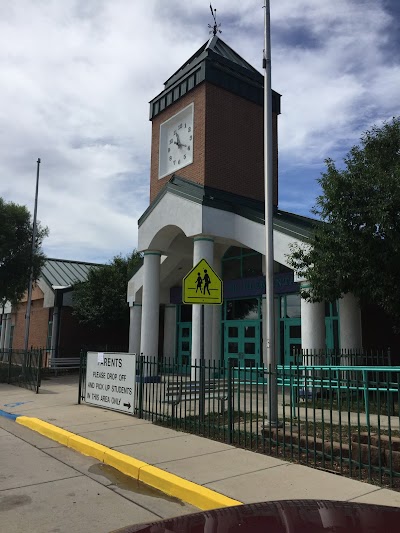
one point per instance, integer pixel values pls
(185, 210)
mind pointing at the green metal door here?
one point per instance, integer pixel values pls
(289, 328)
(332, 328)
(242, 342)
(184, 345)
(292, 339)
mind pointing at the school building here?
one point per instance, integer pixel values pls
(53, 326)
(207, 202)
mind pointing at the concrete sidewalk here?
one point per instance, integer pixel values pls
(235, 473)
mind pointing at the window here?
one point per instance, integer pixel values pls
(290, 306)
(185, 313)
(331, 309)
(241, 263)
(191, 82)
(247, 309)
(251, 266)
(232, 270)
(293, 304)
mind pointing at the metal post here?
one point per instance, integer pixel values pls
(9, 365)
(80, 377)
(141, 385)
(39, 370)
(230, 403)
(269, 245)
(3, 332)
(34, 231)
(202, 399)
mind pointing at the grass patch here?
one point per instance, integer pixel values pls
(379, 403)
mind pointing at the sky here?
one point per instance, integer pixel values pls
(76, 78)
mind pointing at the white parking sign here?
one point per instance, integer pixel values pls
(111, 380)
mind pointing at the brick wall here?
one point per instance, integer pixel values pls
(38, 325)
(72, 335)
(235, 144)
(37, 294)
(228, 151)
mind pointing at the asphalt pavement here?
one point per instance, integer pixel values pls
(46, 487)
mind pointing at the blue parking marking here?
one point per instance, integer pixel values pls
(11, 416)
(15, 404)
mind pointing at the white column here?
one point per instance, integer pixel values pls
(203, 249)
(216, 321)
(150, 304)
(216, 334)
(350, 323)
(135, 323)
(312, 327)
(169, 331)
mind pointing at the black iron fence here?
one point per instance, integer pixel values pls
(343, 418)
(22, 368)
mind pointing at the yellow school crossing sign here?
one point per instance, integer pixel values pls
(202, 285)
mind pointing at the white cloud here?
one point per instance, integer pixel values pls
(76, 78)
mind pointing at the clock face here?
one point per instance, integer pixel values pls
(176, 142)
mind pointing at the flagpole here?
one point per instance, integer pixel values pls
(34, 231)
(269, 245)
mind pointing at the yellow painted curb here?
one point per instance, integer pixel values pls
(185, 490)
(46, 429)
(87, 447)
(170, 484)
(124, 463)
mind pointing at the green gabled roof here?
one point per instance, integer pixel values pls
(217, 49)
(294, 225)
(63, 273)
(219, 64)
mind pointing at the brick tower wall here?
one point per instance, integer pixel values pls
(235, 145)
(228, 151)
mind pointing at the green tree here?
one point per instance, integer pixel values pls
(356, 246)
(16, 231)
(101, 299)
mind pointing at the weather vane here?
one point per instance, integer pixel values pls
(215, 28)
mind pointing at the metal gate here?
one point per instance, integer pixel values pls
(22, 368)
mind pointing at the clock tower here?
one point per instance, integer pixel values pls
(208, 125)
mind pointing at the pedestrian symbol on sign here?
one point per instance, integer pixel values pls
(202, 285)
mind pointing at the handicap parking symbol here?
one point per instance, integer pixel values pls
(15, 404)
